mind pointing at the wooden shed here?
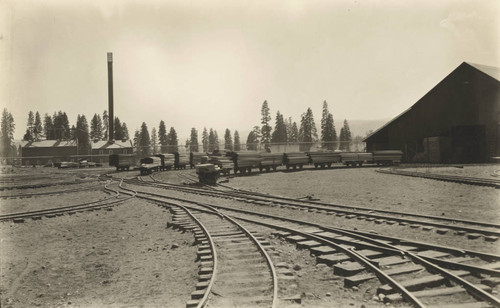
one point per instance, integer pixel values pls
(458, 121)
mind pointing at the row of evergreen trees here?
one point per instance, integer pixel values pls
(286, 131)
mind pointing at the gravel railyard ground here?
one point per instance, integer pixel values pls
(127, 256)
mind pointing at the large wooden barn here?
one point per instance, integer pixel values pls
(458, 121)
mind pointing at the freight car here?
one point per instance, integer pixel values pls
(150, 165)
(295, 159)
(122, 161)
(167, 161)
(181, 160)
(387, 157)
(245, 161)
(323, 159)
(270, 161)
(355, 158)
(196, 158)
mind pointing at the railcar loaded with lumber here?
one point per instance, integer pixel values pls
(322, 159)
(355, 158)
(224, 163)
(245, 161)
(270, 160)
(387, 157)
(295, 159)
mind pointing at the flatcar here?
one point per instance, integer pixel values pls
(122, 161)
(150, 165)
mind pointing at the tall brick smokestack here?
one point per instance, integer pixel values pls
(110, 97)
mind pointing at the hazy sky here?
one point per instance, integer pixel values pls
(213, 63)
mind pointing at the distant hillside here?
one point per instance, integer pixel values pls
(360, 127)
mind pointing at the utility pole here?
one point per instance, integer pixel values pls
(110, 97)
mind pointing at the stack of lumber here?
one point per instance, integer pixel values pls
(223, 162)
(356, 156)
(296, 158)
(169, 160)
(324, 157)
(195, 158)
(271, 159)
(246, 159)
(181, 159)
(388, 155)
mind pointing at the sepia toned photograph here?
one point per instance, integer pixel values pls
(168, 153)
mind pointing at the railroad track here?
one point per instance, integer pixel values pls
(441, 225)
(236, 269)
(442, 177)
(46, 193)
(419, 273)
(69, 209)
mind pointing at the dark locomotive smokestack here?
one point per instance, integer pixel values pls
(110, 97)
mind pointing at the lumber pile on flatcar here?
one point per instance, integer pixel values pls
(270, 160)
(322, 159)
(195, 158)
(181, 160)
(353, 158)
(122, 161)
(224, 163)
(387, 157)
(245, 161)
(295, 159)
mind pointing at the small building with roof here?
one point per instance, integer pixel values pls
(103, 148)
(458, 121)
(43, 152)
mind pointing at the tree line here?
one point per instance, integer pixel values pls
(287, 131)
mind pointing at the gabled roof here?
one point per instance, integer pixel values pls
(491, 71)
(117, 144)
(488, 70)
(50, 144)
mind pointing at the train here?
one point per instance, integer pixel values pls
(247, 161)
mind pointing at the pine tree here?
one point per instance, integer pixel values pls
(252, 141)
(154, 140)
(137, 140)
(216, 139)
(144, 140)
(96, 128)
(345, 137)
(211, 141)
(294, 135)
(81, 134)
(266, 128)
(172, 141)
(237, 142)
(162, 137)
(307, 132)
(48, 127)
(125, 131)
(228, 140)
(105, 125)
(27, 136)
(7, 128)
(204, 139)
(31, 122)
(328, 134)
(193, 141)
(279, 134)
(37, 127)
(117, 127)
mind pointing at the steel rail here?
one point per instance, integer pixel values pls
(468, 286)
(350, 208)
(482, 255)
(248, 233)
(48, 192)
